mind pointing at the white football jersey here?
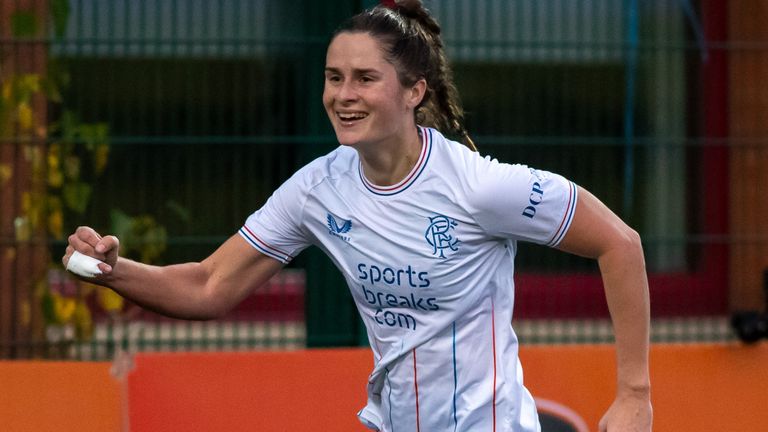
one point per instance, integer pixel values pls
(429, 262)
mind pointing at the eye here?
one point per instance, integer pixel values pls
(334, 78)
(366, 79)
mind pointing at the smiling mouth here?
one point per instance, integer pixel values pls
(350, 118)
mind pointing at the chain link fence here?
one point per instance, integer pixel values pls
(207, 107)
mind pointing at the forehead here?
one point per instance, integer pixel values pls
(355, 50)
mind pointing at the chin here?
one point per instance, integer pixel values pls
(348, 139)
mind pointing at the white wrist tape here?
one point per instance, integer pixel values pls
(83, 265)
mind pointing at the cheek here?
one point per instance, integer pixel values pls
(328, 106)
(327, 99)
(399, 99)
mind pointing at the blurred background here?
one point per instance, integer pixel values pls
(167, 122)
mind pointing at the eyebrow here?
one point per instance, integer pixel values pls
(355, 71)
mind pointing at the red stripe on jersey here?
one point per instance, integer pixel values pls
(416, 388)
(493, 336)
(566, 216)
(266, 245)
(425, 143)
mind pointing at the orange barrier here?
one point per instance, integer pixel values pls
(695, 387)
(715, 388)
(58, 396)
(283, 391)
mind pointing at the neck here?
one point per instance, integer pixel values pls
(387, 163)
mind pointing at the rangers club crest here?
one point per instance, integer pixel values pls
(440, 236)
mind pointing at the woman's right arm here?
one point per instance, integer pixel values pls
(195, 290)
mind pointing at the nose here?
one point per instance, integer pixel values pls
(347, 91)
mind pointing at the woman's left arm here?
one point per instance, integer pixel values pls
(596, 232)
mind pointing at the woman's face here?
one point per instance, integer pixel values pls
(362, 95)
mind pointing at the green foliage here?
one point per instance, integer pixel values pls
(76, 158)
(59, 10)
(23, 24)
(141, 237)
(64, 171)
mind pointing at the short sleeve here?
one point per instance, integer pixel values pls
(276, 228)
(519, 202)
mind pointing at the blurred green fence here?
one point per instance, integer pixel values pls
(210, 105)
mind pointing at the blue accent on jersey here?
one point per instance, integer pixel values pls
(264, 247)
(334, 226)
(567, 218)
(389, 398)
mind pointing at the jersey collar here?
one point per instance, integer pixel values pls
(426, 150)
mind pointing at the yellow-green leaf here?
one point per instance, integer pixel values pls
(76, 196)
(55, 178)
(64, 307)
(72, 167)
(56, 223)
(109, 300)
(83, 321)
(24, 116)
(54, 155)
(87, 288)
(7, 90)
(100, 157)
(6, 173)
(34, 154)
(30, 83)
(22, 229)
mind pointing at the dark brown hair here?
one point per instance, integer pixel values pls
(411, 40)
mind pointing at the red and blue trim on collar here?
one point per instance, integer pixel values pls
(410, 179)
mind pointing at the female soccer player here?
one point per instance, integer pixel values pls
(425, 231)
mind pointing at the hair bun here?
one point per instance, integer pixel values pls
(391, 4)
(414, 10)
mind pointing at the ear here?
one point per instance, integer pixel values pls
(415, 94)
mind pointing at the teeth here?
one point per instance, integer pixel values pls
(353, 116)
